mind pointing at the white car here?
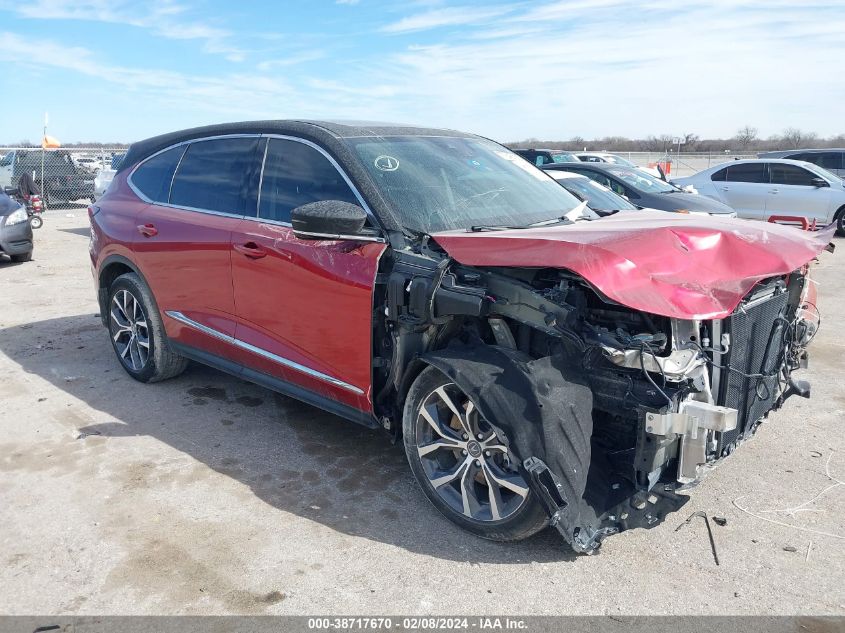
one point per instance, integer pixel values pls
(104, 177)
(761, 188)
(615, 159)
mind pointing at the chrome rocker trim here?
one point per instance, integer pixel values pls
(285, 362)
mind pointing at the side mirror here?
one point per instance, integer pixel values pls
(10, 191)
(820, 182)
(328, 219)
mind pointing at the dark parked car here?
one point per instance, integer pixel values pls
(546, 156)
(540, 368)
(598, 197)
(645, 190)
(63, 180)
(15, 230)
(832, 159)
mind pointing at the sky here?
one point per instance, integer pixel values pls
(112, 70)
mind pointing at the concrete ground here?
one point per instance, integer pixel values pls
(205, 494)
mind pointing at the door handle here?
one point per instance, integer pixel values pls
(251, 250)
(773, 190)
(726, 188)
(147, 230)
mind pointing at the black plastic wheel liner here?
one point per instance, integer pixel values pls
(542, 410)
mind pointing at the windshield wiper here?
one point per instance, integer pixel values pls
(579, 212)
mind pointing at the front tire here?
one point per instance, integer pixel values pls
(137, 332)
(23, 257)
(36, 222)
(462, 466)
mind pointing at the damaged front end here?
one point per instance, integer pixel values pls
(610, 409)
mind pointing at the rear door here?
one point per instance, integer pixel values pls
(198, 195)
(745, 189)
(304, 307)
(792, 192)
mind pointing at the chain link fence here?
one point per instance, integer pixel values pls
(71, 176)
(683, 164)
(75, 176)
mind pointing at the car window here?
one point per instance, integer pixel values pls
(783, 174)
(597, 196)
(7, 159)
(641, 181)
(438, 183)
(747, 172)
(212, 175)
(618, 160)
(828, 160)
(153, 176)
(296, 174)
(719, 176)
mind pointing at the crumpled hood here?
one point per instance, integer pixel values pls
(681, 266)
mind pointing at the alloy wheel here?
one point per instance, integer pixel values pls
(130, 331)
(464, 460)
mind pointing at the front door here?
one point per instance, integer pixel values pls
(793, 193)
(304, 307)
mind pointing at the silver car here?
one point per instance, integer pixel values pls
(761, 188)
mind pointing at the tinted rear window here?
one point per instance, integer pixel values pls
(153, 177)
(213, 175)
(747, 172)
(296, 174)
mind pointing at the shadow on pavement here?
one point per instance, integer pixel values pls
(294, 457)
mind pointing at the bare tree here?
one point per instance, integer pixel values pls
(793, 138)
(746, 136)
(690, 141)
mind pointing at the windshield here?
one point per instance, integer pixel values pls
(598, 197)
(642, 181)
(618, 160)
(437, 183)
(830, 176)
(563, 157)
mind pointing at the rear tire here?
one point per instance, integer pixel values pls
(36, 222)
(23, 257)
(840, 222)
(137, 332)
(470, 480)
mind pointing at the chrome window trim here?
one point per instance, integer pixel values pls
(285, 362)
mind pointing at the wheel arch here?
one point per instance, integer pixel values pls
(111, 268)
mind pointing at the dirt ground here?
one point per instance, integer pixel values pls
(205, 494)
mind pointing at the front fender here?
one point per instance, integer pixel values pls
(542, 410)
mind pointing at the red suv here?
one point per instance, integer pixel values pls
(542, 365)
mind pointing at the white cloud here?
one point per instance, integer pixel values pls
(164, 18)
(439, 18)
(550, 70)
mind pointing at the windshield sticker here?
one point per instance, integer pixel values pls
(386, 163)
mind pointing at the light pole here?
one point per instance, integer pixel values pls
(44, 149)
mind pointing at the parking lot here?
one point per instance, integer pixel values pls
(209, 495)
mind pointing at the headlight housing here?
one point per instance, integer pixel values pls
(16, 217)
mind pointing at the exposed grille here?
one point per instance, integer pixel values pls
(756, 332)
